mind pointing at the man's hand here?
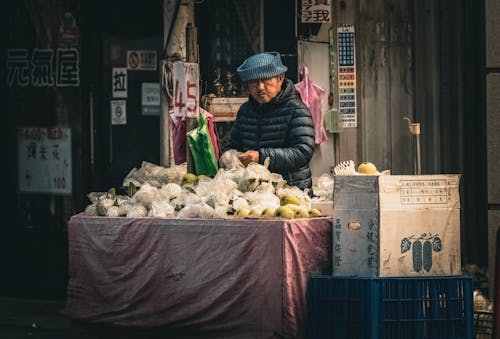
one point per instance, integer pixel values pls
(248, 157)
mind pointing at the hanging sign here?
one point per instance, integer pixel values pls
(42, 67)
(44, 160)
(118, 112)
(141, 60)
(347, 76)
(150, 98)
(316, 11)
(186, 89)
(119, 82)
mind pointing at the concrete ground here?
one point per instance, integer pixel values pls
(33, 319)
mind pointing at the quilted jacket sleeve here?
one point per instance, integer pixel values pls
(299, 145)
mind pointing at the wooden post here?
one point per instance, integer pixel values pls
(191, 56)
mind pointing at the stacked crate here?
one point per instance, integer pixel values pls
(396, 262)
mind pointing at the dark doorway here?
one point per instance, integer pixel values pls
(119, 145)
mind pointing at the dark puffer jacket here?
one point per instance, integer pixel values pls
(282, 130)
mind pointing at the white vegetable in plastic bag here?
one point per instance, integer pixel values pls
(197, 210)
(145, 195)
(94, 197)
(104, 204)
(91, 210)
(216, 191)
(240, 202)
(161, 209)
(323, 187)
(125, 207)
(154, 175)
(229, 160)
(114, 211)
(121, 199)
(220, 211)
(257, 171)
(171, 190)
(137, 211)
(173, 174)
(262, 200)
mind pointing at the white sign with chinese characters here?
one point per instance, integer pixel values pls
(150, 98)
(186, 89)
(316, 11)
(44, 160)
(347, 76)
(141, 60)
(43, 67)
(119, 82)
(118, 112)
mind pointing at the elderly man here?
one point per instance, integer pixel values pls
(274, 123)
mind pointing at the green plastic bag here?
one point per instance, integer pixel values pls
(202, 149)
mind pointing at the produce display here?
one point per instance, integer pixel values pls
(234, 192)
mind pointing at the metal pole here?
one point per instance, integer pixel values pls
(419, 168)
(414, 128)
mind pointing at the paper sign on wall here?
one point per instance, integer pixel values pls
(150, 98)
(119, 82)
(141, 60)
(316, 11)
(118, 112)
(347, 76)
(186, 89)
(44, 160)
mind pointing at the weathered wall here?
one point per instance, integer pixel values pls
(385, 84)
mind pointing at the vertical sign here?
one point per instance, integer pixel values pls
(186, 89)
(119, 82)
(44, 160)
(347, 76)
(316, 11)
(118, 112)
(150, 98)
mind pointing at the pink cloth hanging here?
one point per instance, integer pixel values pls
(211, 130)
(311, 95)
(178, 130)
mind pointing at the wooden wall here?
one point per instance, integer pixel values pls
(422, 59)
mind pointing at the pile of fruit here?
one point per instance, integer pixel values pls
(170, 192)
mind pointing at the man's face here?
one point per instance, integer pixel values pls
(264, 90)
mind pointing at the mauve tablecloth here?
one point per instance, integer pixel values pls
(219, 278)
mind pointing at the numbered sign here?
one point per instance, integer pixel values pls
(44, 160)
(186, 89)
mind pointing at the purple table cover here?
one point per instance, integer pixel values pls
(220, 278)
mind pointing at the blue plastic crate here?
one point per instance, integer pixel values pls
(402, 307)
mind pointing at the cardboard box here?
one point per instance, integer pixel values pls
(396, 225)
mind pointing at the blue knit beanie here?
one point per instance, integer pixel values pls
(261, 66)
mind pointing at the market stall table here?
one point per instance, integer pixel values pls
(211, 278)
